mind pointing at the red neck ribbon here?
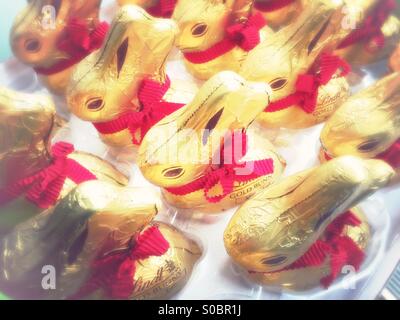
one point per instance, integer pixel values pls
(153, 110)
(115, 272)
(371, 29)
(245, 35)
(391, 156)
(164, 9)
(77, 42)
(272, 5)
(227, 174)
(341, 250)
(307, 85)
(44, 187)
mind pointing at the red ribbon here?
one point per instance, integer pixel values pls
(245, 35)
(307, 85)
(115, 272)
(272, 5)
(164, 9)
(340, 250)
(227, 174)
(153, 110)
(44, 188)
(78, 42)
(390, 156)
(371, 29)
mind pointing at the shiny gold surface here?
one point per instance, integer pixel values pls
(279, 224)
(36, 45)
(358, 54)
(202, 24)
(142, 3)
(293, 51)
(310, 277)
(182, 147)
(394, 62)
(284, 16)
(136, 48)
(368, 123)
(86, 219)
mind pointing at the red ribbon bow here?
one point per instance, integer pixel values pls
(78, 42)
(153, 110)
(371, 29)
(340, 250)
(227, 174)
(272, 5)
(245, 35)
(115, 272)
(307, 85)
(164, 9)
(44, 188)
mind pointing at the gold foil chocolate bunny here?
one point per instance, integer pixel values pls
(157, 8)
(53, 36)
(123, 89)
(307, 80)
(201, 155)
(367, 125)
(72, 211)
(294, 233)
(279, 13)
(216, 35)
(373, 39)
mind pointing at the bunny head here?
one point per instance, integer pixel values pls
(181, 147)
(39, 30)
(294, 51)
(105, 85)
(279, 224)
(368, 123)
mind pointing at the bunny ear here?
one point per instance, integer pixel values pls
(241, 9)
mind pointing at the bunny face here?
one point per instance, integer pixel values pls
(368, 123)
(279, 224)
(38, 30)
(181, 147)
(106, 83)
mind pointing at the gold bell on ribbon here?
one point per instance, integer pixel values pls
(300, 222)
(53, 36)
(202, 156)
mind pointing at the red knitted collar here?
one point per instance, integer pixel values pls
(78, 42)
(371, 29)
(272, 5)
(154, 109)
(245, 35)
(164, 9)
(337, 249)
(227, 174)
(307, 85)
(44, 188)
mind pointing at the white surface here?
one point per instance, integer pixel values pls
(215, 277)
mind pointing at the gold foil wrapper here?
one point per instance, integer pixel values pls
(292, 51)
(202, 24)
(368, 52)
(36, 33)
(283, 16)
(280, 223)
(183, 147)
(105, 85)
(394, 62)
(309, 277)
(367, 124)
